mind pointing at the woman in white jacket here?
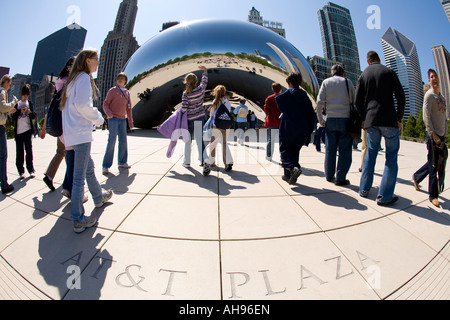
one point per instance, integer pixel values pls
(79, 118)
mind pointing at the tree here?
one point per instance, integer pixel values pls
(420, 127)
(410, 127)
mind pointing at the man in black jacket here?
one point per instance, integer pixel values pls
(375, 103)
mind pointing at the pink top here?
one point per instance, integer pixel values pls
(118, 105)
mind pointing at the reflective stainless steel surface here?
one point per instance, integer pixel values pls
(244, 57)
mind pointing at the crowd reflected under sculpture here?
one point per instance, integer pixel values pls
(244, 57)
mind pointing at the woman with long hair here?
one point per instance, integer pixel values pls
(220, 135)
(79, 118)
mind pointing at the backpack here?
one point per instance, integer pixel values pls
(54, 116)
(223, 119)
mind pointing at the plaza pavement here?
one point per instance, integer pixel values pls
(170, 233)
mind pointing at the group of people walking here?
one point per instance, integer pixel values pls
(374, 100)
(291, 112)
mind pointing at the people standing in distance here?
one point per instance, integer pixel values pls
(117, 107)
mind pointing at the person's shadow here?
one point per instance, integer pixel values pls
(73, 263)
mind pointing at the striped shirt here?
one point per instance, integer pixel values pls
(192, 103)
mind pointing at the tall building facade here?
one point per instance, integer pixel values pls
(339, 39)
(400, 54)
(254, 16)
(321, 67)
(118, 47)
(53, 52)
(446, 6)
(442, 60)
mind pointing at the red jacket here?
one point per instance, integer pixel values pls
(272, 112)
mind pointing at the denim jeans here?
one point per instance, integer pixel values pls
(68, 178)
(117, 128)
(3, 157)
(195, 128)
(389, 179)
(336, 137)
(272, 132)
(83, 171)
(429, 170)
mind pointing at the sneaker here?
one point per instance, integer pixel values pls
(21, 176)
(206, 169)
(124, 166)
(105, 171)
(295, 173)
(8, 189)
(186, 165)
(66, 193)
(107, 195)
(80, 226)
(33, 174)
(49, 183)
(364, 194)
(228, 167)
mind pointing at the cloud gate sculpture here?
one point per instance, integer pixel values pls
(242, 56)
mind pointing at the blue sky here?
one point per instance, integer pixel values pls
(423, 21)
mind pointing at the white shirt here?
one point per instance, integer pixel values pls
(23, 120)
(79, 115)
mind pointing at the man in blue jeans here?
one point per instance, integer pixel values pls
(375, 103)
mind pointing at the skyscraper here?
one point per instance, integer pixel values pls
(442, 60)
(255, 17)
(339, 39)
(119, 46)
(401, 56)
(446, 6)
(53, 52)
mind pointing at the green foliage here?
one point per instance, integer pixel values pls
(410, 127)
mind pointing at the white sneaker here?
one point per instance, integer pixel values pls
(33, 175)
(124, 166)
(107, 195)
(105, 170)
(21, 176)
(186, 165)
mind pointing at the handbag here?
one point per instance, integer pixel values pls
(354, 125)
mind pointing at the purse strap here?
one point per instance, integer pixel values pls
(349, 98)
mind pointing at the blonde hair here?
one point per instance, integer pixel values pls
(5, 78)
(190, 81)
(79, 66)
(219, 93)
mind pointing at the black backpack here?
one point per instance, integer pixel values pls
(54, 116)
(223, 119)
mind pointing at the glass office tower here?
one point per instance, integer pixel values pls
(401, 56)
(442, 60)
(339, 39)
(53, 52)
